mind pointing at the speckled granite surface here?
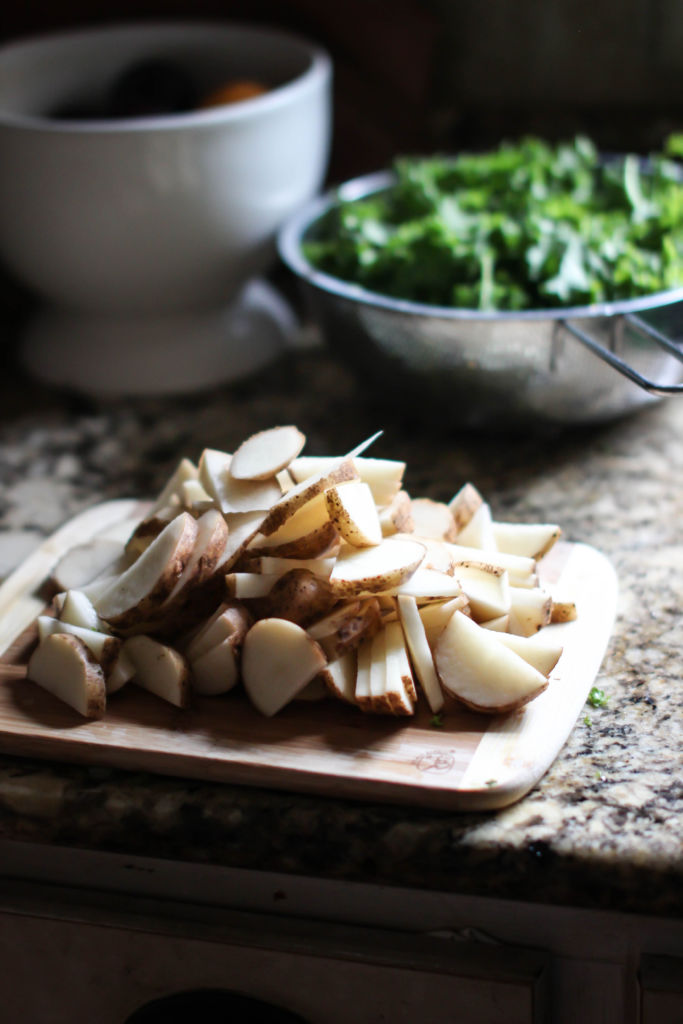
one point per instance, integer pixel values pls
(605, 826)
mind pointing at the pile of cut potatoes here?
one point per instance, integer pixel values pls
(297, 577)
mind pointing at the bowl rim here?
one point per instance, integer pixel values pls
(290, 237)
(318, 73)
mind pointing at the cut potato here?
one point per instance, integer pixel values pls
(518, 567)
(171, 492)
(476, 668)
(121, 673)
(103, 646)
(146, 584)
(264, 454)
(311, 517)
(195, 498)
(377, 568)
(542, 654)
(78, 610)
(340, 470)
(363, 692)
(63, 665)
(246, 586)
(433, 519)
(353, 630)
(215, 670)
(500, 624)
(279, 566)
(435, 616)
(487, 590)
(397, 516)
(230, 621)
(242, 528)
(428, 585)
(383, 476)
(420, 652)
(534, 540)
(278, 660)
(232, 495)
(300, 596)
(332, 622)
(209, 545)
(84, 563)
(400, 686)
(352, 509)
(159, 669)
(530, 610)
(563, 611)
(339, 677)
(464, 504)
(478, 533)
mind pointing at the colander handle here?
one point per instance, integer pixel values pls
(621, 365)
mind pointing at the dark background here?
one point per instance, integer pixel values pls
(441, 74)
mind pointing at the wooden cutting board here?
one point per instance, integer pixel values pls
(469, 762)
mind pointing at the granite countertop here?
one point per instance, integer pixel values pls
(604, 827)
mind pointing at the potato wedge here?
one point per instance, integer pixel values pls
(533, 540)
(232, 495)
(476, 668)
(420, 652)
(352, 509)
(541, 653)
(160, 669)
(464, 504)
(478, 533)
(352, 631)
(278, 660)
(215, 670)
(78, 610)
(231, 620)
(341, 469)
(433, 519)
(530, 610)
(146, 584)
(103, 646)
(377, 568)
(63, 665)
(264, 454)
(397, 516)
(383, 476)
(339, 677)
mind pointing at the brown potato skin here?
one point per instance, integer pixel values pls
(299, 596)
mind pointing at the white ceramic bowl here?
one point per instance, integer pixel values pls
(144, 222)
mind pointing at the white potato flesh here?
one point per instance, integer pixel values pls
(334, 621)
(122, 672)
(530, 610)
(308, 518)
(420, 652)
(532, 540)
(242, 528)
(517, 566)
(233, 495)
(152, 577)
(296, 497)
(264, 454)
(464, 504)
(245, 586)
(397, 516)
(476, 668)
(160, 669)
(363, 693)
(194, 497)
(103, 646)
(83, 563)
(428, 585)
(435, 616)
(399, 677)
(384, 476)
(433, 519)
(339, 677)
(378, 674)
(479, 531)
(63, 665)
(488, 592)
(215, 671)
(278, 660)
(377, 568)
(352, 509)
(229, 621)
(543, 654)
(279, 566)
(209, 545)
(499, 624)
(184, 471)
(78, 610)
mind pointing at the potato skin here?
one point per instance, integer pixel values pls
(299, 596)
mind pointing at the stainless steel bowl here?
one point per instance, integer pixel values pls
(479, 369)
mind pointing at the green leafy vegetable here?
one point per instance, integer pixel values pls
(597, 698)
(527, 226)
